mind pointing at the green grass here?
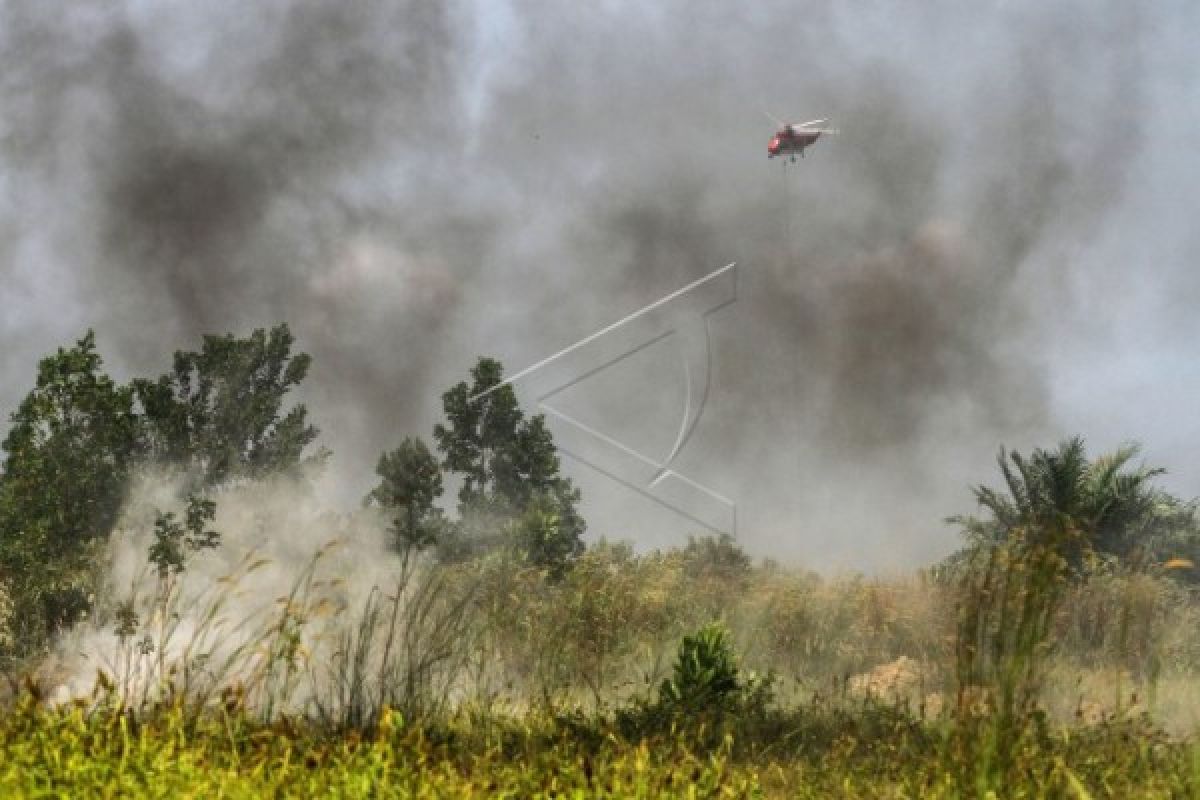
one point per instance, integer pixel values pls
(813, 753)
(489, 680)
(75, 754)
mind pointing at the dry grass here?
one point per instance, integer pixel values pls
(867, 673)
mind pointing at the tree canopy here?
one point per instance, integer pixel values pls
(1114, 507)
(77, 438)
(509, 468)
(410, 484)
(67, 458)
(219, 412)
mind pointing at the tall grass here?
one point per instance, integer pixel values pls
(1010, 597)
(309, 652)
(490, 659)
(497, 632)
(406, 652)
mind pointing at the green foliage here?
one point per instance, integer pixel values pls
(405, 652)
(1065, 554)
(705, 675)
(173, 540)
(77, 437)
(1136, 621)
(72, 753)
(711, 730)
(549, 532)
(68, 455)
(1115, 508)
(815, 754)
(706, 680)
(410, 483)
(6, 609)
(478, 434)
(510, 471)
(602, 617)
(1009, 601)
(715, 558)
(527, 465)
(219, 412)
(588, 631)
(1060, 521)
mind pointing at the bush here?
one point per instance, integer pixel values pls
(706, 677)
(705, 673)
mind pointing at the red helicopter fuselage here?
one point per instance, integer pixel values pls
(791, 141)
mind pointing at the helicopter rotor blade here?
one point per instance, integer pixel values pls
(810, 122)
(775, 119)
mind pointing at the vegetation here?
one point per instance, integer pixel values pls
(219, 414)
(512, 490)
(68, 455)
(1105, 508)
(495, 655)
(77, 439)
(410, 484)
(874, 753)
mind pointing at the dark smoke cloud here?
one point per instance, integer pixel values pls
(214, 170)
(409, 184)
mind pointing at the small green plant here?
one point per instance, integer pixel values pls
(705, 675)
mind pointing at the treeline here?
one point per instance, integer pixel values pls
(221, 417)
(1074, 569)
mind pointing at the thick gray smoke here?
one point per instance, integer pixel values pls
(410, 184)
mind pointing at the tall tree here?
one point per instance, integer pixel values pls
(480, 432)
(528, 465)
(68, 456)
(510, 469)
(410, 483)
(220, 414)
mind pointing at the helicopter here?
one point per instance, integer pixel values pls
(791, 139)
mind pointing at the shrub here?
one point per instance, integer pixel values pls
(706, 676)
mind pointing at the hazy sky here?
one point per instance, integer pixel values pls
(997, 249)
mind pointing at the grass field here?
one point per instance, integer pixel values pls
(489, 679)
(811, 753)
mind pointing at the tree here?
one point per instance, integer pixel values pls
(481, 431)
(77, 436)
(1113, 508)
(549, 532)
(68, 455)
(174, 540)
(510, 470)
(410, 483)
(219, 412)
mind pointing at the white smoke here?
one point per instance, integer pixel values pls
(282, 556)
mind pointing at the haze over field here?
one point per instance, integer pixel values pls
(998, 248)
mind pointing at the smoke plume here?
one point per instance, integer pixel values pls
(412, 184)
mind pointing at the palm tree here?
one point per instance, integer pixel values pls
(1113, 507)
(1056, 509)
